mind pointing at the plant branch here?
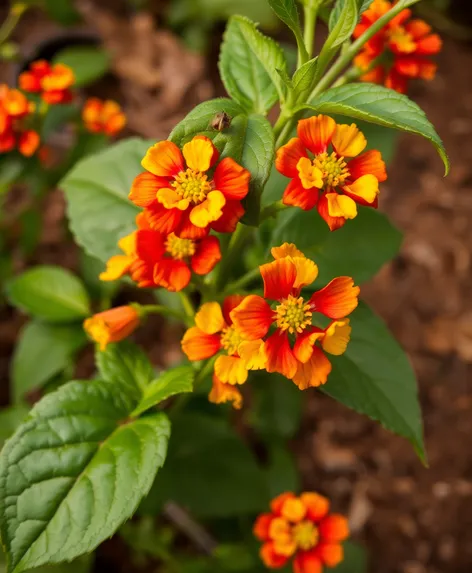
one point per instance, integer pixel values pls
(234, 251)
(244, 280)
(309, 27)
(11, 21)
(160, 309)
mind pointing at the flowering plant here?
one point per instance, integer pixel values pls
(255, 237)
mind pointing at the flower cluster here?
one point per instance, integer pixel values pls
(398, 52)
(334, 181)
(103, 116)
(182, 203)
(248, 333)
(14, 112)
(301, 528)
(190, 192)
(53, 83)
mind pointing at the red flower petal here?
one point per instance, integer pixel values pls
(253, 317)
(150, 246)
(369, 162)
(163, 220)
(337, 299)
(295, 194)
(279, 278)
(334, 223)
(229, 304)
(207, 255)
(307, 562)
(316, 132)
(288, 157)
(145, 187)
(280, 357)
(231, 179)
(334, 528)
(232, 213)
(197, 345)
(172, 275)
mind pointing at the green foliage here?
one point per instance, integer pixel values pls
(10, 419)
(355, 559)
(88, 63)
(173, 381)
(249, 140)
(287, 11)
(248, 66)
(127, 363)
(359, 249)
(277, 409)
(41, 352)
(76, 452)
(374, 377)
(376, 104)
(90, 269)
(97, 189)
(303, 79)
(209, 470)
(342, 21)
(49, 293)
(62, 11)
(282, 473)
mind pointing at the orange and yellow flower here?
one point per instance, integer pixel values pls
(103, 116)
(214, 333)
(155, 260)
(334, 181)
(181, 195)
(14, 109)
(301, 528)
(398, 52)
(52, 82)
(292, 345)
(112, 325)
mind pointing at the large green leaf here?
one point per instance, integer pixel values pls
(74, 472)
(248, 66)
(42, 351)
(97, 189)
(380, 105)
(359, 249)
(89, 63)
(49, 293)
(209, 470)
(342, 21)
(173, 381)
(374, 377)
(127, 363)
(249, 140)
(355, 559)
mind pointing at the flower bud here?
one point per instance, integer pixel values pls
(112, 325)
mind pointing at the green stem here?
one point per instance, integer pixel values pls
(310, 27)
(234, 251)
(187, 304)
(11, 21)
(159, 309)
(353, 50)
(272, 210)
(243, 281)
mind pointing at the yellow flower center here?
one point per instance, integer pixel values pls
(179, 248)
(333, 168)
(230, 340)
(305, 534)
(402, 39)
(293, 314)
(192, 185)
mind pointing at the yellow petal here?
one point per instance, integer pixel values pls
(231, 370)
(208, 211)
(307, 271)
(366, 187)
(286, 250)
(341, 206)
(198, 153)
(348, 140)
(310, 176)
(128, 244)
(116, 267)
(337, 337)
(171, 199)
(252, 353)
(210, 318)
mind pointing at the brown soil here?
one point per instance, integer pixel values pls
(411, 519)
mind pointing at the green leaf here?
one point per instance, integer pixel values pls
(303, 79)
(374, 377)
(10, 419)
(11, 167)
(282, 472)
(342, 22)
(90, 269)
(359, 249)
(127, 363)
(42, 351)
(248, 66)
(355, 559)
(97, 189)
(49, 293)
(89, 63)
(209, 470)
(74, 472)
(171, 382)
(62, 11)
(287, 11)
(380, 105)
(277, 409)
(249, 140)
(364, 5)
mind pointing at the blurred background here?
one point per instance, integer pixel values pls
(158, 59)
